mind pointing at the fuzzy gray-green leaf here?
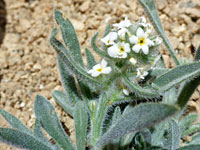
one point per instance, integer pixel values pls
(68, 83)
(96, 49)
(147, 92)
(142, 116)
(22, 140)
(47, 116)
(187, 121)
(69, 37)
(197, 54)
(190, 147)
(176, 76)
(174, 136)
(14, 122)
(90, 59)
(70, 63)
(81, 124)
(150, 8)
(38, 133)
(107, 30)
(63, 101)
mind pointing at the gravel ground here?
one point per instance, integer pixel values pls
(28, 62)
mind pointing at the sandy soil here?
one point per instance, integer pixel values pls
(28, 62)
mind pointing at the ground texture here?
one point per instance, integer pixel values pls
(28, 62)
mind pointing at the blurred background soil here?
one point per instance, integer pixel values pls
(28, 62)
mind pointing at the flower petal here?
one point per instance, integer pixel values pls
(113, 36)
(96, 73)
(97, 66)
(133, 39)
(127, 47)
(145, 49)
(125, 91)
(136, 48)
(107, 70)
(140, 33)
(149, 42)
(113, 51)
(103, 63)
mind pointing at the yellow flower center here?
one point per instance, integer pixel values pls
(108, 41)
(100, 69)
(141, 41)
(121, 49)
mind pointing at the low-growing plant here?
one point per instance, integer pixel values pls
(129, 100)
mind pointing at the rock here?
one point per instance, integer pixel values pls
(78, 25)
(196, 41)
(178, 30)
(85, 6)
(23, 25)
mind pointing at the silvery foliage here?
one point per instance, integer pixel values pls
(119, 109)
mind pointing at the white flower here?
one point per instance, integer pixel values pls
(141, 41)
(100, 69)
(147, 26)
(119, 50)
(133, 61)
(142, 21)
(110, 38)
(141, 73)
(123, 24)
(126, 92)
(157, 41)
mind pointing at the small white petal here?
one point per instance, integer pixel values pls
(113, 51)
(136, 48)
(133, 39)
(113, 36)
(133, 61)
(107, 70)
(145, 73)
(96, 67)
(90, 71)
(125, 91)
(96, 73)
(140, 33)
(103, 63)
(145, 49)
(149, 42)
(127, 47)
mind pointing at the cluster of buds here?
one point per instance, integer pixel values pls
(133, 44)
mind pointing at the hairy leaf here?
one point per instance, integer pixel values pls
(176, 76)
(68, 83)
(63, 101)
(69, 62)
(142, 116)
(14, 122)
(107, 30)
(150, 8)
(38, 133)
(46, 114)
(96, 49)
(22, 140)
(81, 124)
(69, 37)
(190, 147)
(90, 59)
(174, 136)
(197, 54)
(146, 92)
(187, 121)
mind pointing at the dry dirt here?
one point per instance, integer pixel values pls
(28, 62)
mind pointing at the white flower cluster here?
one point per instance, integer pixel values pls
(127, 40)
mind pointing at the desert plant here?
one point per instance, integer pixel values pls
(127, 101)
